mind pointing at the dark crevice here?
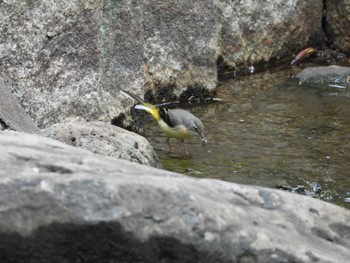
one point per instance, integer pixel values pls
(119, 120)
(50, 37)
(137, 123)
(324, 22)
(3, 125)
(323, 233)
(54, 169)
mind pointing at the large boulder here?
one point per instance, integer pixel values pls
(66, 60)
(50, 56)
(64, 204)
(338, 23)
(105, 139)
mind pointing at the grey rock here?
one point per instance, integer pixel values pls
(50, 56)
(253, 32)
(12, 115)
(121, 59)
(328, 75)
(338, 24)
(61, 203)
(66, 61)
(105, 139)
(181, 44)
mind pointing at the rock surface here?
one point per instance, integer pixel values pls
(330, 74)
(253, 31)
(12, 115)
(65, 60)
(50, 56)
(181, 44)
(60, 203)
(338, 23)
(105, 139)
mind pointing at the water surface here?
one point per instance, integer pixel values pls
(270, 131)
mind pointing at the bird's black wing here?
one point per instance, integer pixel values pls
(164, 114)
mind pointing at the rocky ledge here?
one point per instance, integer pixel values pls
(60, 203)
(105, 139)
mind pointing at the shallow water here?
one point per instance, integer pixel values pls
(270, 131)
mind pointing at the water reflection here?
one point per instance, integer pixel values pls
(270, 131)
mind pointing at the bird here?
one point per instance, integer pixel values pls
(175, 123)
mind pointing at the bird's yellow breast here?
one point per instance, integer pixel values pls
(179, 132)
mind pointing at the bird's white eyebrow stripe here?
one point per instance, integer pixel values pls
(140, 107)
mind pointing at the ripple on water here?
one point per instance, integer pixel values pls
(270, 131)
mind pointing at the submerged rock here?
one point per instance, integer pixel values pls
(105, 139)
(61, 203)
(328, 75)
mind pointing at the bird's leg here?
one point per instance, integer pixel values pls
(184, 145)
(168, 142)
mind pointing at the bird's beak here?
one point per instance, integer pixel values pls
(203, 141)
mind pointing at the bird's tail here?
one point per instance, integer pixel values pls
(132, 96)
(151, 109)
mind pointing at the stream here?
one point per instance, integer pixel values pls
(270, 131)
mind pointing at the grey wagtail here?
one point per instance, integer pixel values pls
(175, 123)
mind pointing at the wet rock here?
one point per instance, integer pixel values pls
(328, 75)
(294, 189)
(314, 190)
(105, 139)
(12, 115)
(338, 23)
(61, 203)
(316, 187)
(67, 59)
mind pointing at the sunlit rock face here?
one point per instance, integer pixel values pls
(338, 23)
(65, 60)
(50, 58)
(64, 204)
